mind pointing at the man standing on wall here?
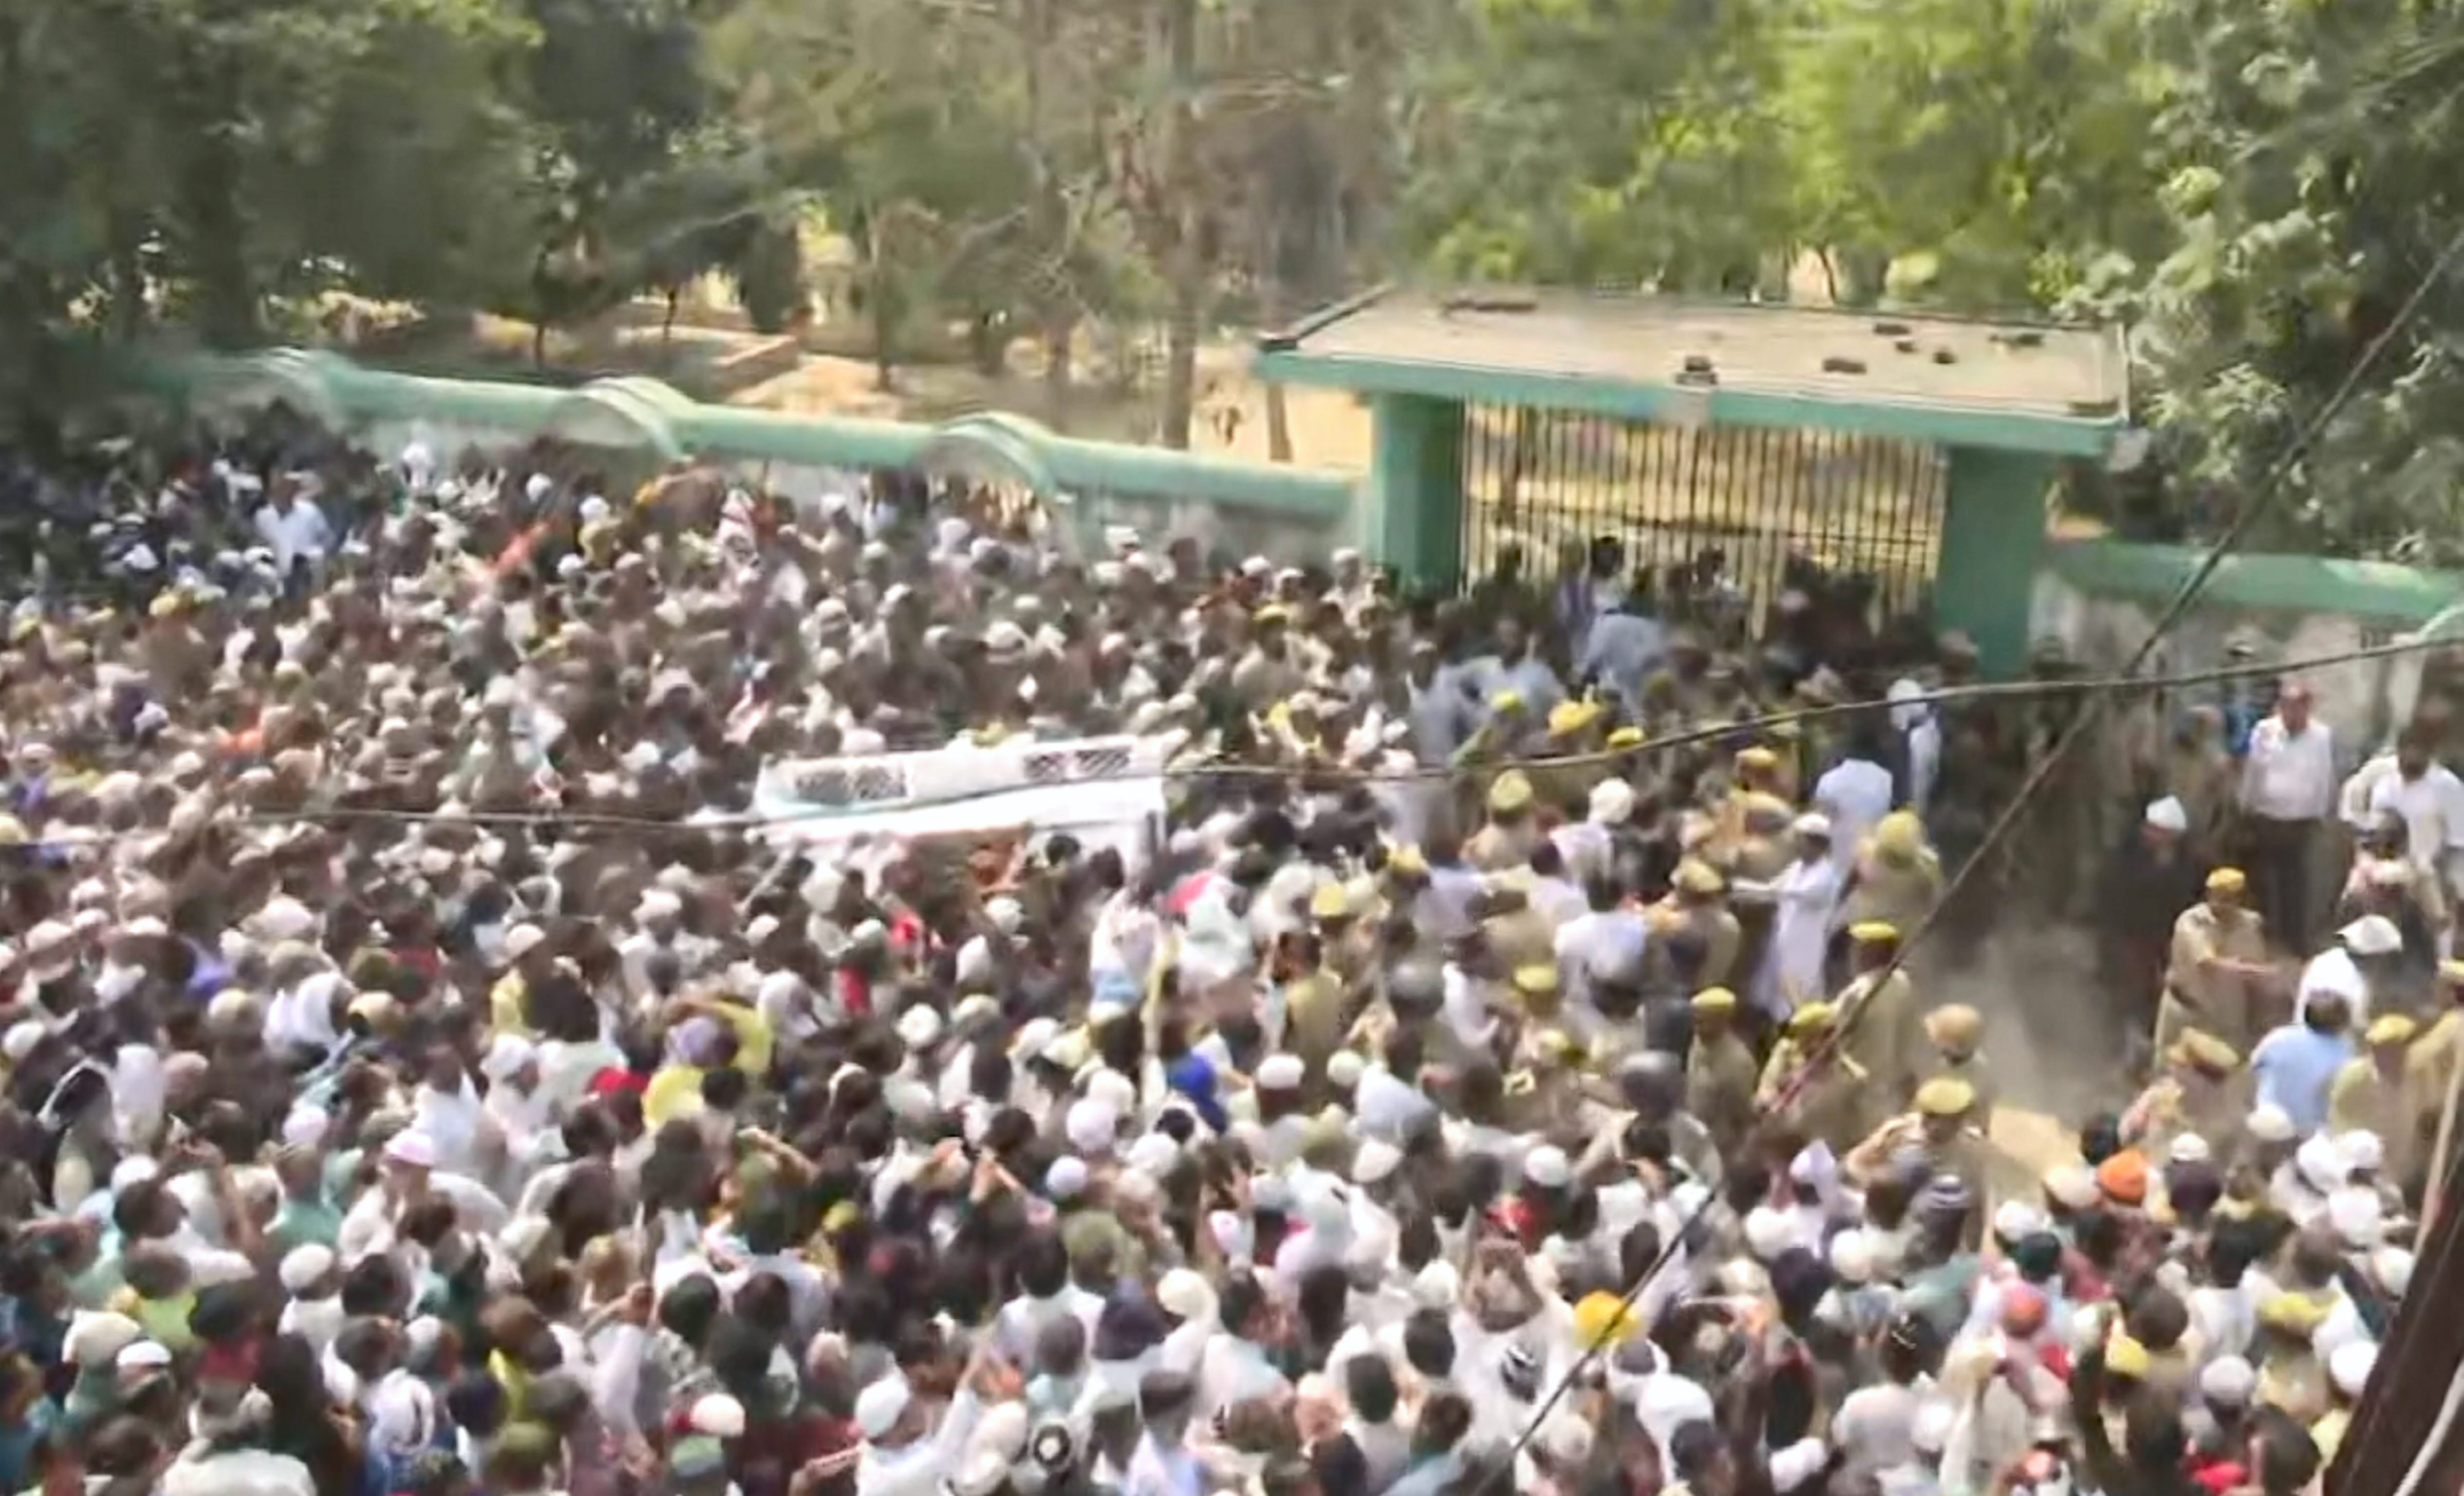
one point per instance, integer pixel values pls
(2288, 786)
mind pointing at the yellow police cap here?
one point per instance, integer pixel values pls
(1945, 1096)
(2227, 880)
(1694, 875)
(2391, 1028)
(1955, 1026)
(2205, 1050)
(1715, 1000)
(1602, 1319)
(2293, 1313)
(1572, 716)
(2124, 1356)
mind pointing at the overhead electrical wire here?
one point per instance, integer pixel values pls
(1767, 722)
(2040, 773)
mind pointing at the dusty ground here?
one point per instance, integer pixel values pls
(2051, 1038)
(1330, 429)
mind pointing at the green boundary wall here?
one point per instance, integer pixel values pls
(1995, 543)
(1293, 512)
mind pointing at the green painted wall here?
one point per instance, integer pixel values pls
(2257, 580)
(1416, 495)
(1993, 541)
(1254, 502)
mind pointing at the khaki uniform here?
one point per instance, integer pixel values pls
(2433, 1056)
(1901, 894)
(2294, 1382)
(1722, 938)
(2198, 995)
(1497, 848)
(1830, 1108)
(2169, 1109)
(1761, 859)
(1886, 1033)
(1313, 1027)
(1976, 1069)
(2362, 1097)
(1720, 1083)
(2202, 776)
(1963, 1156)
(1260, 682)
(1521, 937)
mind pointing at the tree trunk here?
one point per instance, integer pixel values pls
(988, 344)
(884, 322)
(1186, 270)
(667, 323)
(538, 345)
(1056, 374)
(1275, 309)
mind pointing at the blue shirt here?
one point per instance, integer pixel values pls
(2295, 1065)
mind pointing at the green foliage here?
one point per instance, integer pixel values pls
(160, 155)
(2314, 155)
(2255, 188)
(1628, 142)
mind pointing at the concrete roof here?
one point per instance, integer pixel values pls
(2021, 384)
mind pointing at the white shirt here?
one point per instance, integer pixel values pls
(236, 1472)
(1593, 940)
(1385, 1107)
(295, 534)
(1877, 1426)
(1021, 1321)
(917, 1469)
(1806, 893)
(2432, 807)
(1857, 792)
(2289, 775)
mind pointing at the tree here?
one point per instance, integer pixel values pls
(619, 99)
(2313, 182)
(987, 203)
(196, 158)
(1625, 142)
(1992, 152)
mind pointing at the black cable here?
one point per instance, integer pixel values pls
(2269, 488)
(1994, 691)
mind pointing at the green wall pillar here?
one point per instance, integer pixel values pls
(1993, 541)
(1415, 495)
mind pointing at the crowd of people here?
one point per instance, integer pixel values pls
(1502, 1071)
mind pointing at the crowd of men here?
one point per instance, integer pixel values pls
(1501, 1072)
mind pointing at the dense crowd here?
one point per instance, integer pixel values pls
(423, 1078)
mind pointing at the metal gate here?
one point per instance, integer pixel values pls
(1853, 505)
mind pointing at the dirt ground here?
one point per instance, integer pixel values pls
(2050, 1038)
(1330, 429)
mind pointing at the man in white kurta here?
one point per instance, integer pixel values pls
(1806, 905)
